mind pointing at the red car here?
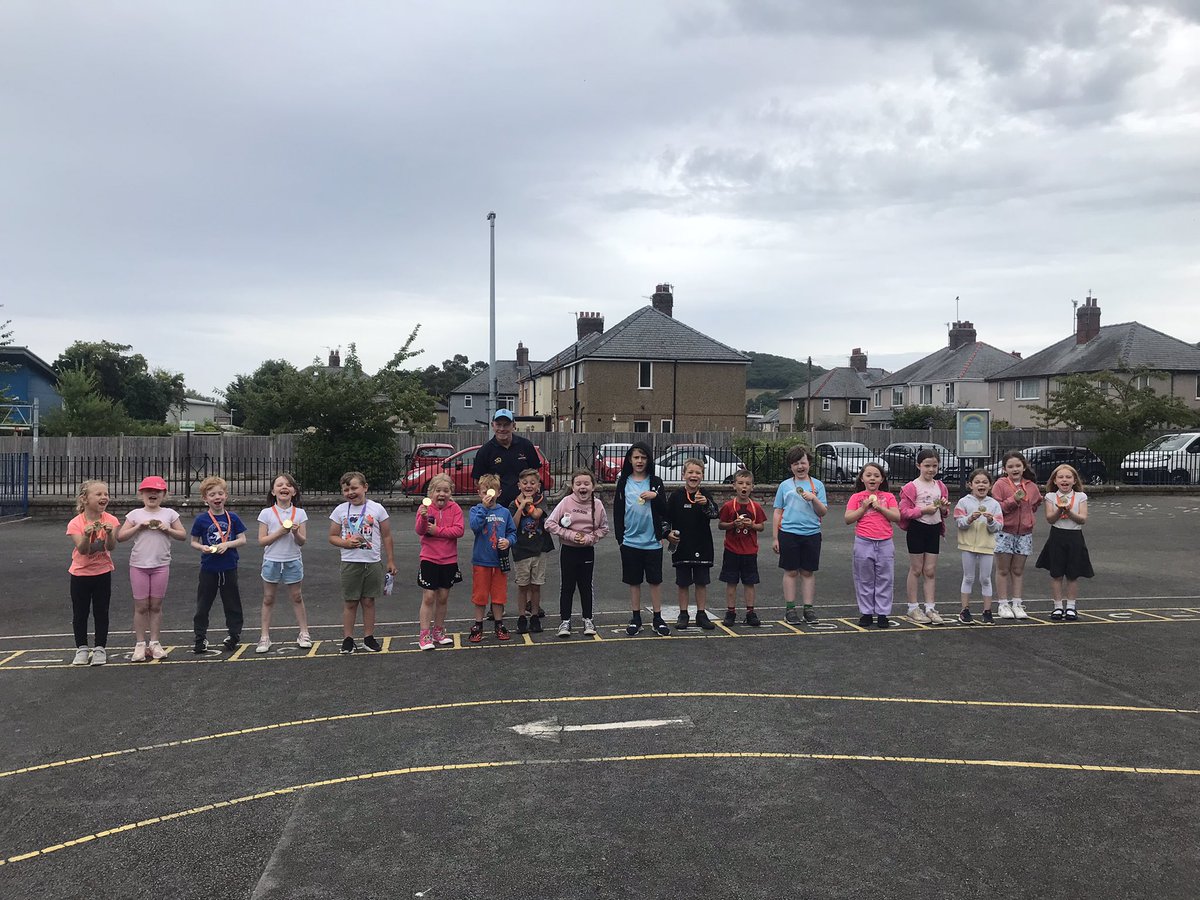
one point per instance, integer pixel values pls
(608, 461)
(458, 467)
(424, 454)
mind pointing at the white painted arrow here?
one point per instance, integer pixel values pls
(551, 730)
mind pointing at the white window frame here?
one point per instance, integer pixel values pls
(999, 390)
(468, 400)
(897, 396)
(825, 404)
(925, 392)
(647, 367)
(1198, 387)
(1022, 382)
(862, 406)
(949, 392)
(877, 397)
(637, 422)
(666, 426)
(579, 373)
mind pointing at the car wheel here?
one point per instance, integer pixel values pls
(1180, 477)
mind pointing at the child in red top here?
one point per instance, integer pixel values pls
(439, 524)
(741, 519)
(1018, 496)
(872, 511)
(94, 533)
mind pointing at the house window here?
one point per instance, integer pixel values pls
(507, 401)
(1143, 382)
(999, 390)
(1198, 387)
(1027, 389)
(579, 373)
(926, 393)
(666, 426)
(898, 396)
(858, 407)
(468, 401)
(950, 392)
(645, 375)
(877, 398)
(641, 426)
(825, 405)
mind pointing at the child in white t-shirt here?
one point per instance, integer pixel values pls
(360, 528)
(152, 528)
(282, 531)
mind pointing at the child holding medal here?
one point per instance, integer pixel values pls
(1019, 497)
(217, 533)
(800, 505)
(689, 511)
(1065, 554)
(439, 524)
(924, 505)
(152, 528)
(872, 510)
(282, 530)
(360, 528)
(741, 519)
(979, 518)
(639, 523)
(94, 533)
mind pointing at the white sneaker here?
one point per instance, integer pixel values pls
(264, 644)
(99, 656)
(157, 651)
(81, 657)
(564, 630)
(918, 616)
(139, 652)
(589, 627)
(1006, 610)
(934, 618)
(1018, 610)
(304, 641)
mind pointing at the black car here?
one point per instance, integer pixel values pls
(902, 461)
(1045, 459)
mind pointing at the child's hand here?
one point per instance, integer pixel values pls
(579, 537)
(502, 543)
(673, 537)
(775, 546)
(972, 517)
(647, 495)
(930, 510)
(1020, 494)
(701, 500)
(219, 548)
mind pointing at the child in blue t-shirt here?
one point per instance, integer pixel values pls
(800, 504)
(495, 533)
(217, 533)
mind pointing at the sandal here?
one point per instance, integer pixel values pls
(1056, 615)
(1071, 615)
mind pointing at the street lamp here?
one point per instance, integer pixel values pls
(491, 217)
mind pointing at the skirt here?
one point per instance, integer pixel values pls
(1065, 554)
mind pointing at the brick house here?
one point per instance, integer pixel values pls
(840, 397)
(467, 403)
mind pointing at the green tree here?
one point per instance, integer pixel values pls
(777, 373)
(914, 417)
(84, 411)
(439, 382)
(265, 401)
(122, 377)
(6, 338)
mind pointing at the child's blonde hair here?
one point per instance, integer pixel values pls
(213, 481)
(85, 488)
(1052, 487)
(439, 478)
(489, 481)
(350, 476)
(692, 461)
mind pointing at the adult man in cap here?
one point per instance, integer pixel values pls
(506, 454)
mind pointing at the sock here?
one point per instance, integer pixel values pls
(808, 606)
(1016, 601)
(912, 608)
(792, 605)
(1058, 604)
(749, 609)
(733, 609)
(636, 616)
(929, 607)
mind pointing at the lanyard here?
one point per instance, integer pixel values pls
(692, 498)
(811, 490)
(284, 523)
(217, 525)
(362, 517)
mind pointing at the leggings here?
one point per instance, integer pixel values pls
(576, 565)
(984, 561)
(90, 593)
(231, 600)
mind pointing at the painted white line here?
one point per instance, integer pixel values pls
(551, 730)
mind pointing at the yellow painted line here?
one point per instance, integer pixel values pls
(1145, 612)
(594, 760)
(793, 629)
(658, 695)
(312, 651)
(596, 637)
(911, 622)
(527, 639)
(853, 625)
(457, 641)
(725, 628)
(237, 654)
(11, 656)
(1095, 618)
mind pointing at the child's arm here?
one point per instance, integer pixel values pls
(962, 518)
(389, 551)
(239, 541)
(601, 529)
(776, 522)
(478, 518)
(908, 503)
(128, 530)
(345, 543)
(1052, 513)
(300, 533)
(855, 512)
(723, 523)
(892, 512)
(553, 525)
(1080, 514)
(510, 531)
(176, 530)
(709, 506)
(758, 516)
(455, 527)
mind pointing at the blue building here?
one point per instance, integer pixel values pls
(25, 377)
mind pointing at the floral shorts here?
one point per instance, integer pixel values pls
(1016, 544)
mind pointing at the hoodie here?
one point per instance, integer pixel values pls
(658, 506)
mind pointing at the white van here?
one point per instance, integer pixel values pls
(1170, 459)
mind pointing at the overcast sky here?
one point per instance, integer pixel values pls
(219, 183)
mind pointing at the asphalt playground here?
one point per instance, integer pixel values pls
(1023, 760)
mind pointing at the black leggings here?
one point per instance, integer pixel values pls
(231, 600)
(90, 593)
(576, 565)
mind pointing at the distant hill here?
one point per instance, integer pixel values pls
(769, 372)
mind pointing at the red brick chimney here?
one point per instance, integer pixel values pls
(664, 299)
(1087, 320)
(588, 323)
(522, 355)
(961, 334)
(858, 360)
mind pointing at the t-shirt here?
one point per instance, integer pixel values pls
(532, 537)
(929, 493)
(740, 539)
(364, 520)
(798, 514)
(1072, 500)
(506, 462)
(639, 517)
(211, 530)
(151, 546)
(285, 549)
(874, 525)
(490, 525)
(99, 560)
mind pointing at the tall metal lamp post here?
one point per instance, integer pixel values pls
(492, 323)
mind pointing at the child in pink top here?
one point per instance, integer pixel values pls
(439, 524)
(94, 533)
(152, 528)
(1018, 496)
(872, 510)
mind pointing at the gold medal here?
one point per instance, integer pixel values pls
(491, 492)
(212, 549)
(874, 498)
(641, 501)
(982, 508)
(287, 523)
(154, 523)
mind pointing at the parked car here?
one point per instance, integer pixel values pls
(423, 454)
(839, 462)
(719, 465)
(458, 467)
(902, 461)
(608, 461)
(1045, 459)
(1170, 459)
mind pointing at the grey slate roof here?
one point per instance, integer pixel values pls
(507, 375)
(839, 382)
(1129, 345)
(970, 362)
(647, 334)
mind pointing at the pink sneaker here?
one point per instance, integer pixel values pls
(157, 651)
(441, 639)
(139, 652)
(425, 641)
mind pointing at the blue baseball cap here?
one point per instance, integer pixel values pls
(504, 414)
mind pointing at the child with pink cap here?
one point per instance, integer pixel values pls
(152, 528)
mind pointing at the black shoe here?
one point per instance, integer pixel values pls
(535, 624)
(635, 625)
(730, 617)
(201, 646)
(1071, 614)
(660, 627)
(964, 616)
(541, 614)
(682, 621)
(987, 617)
(704, 621)
(229, 644)
(810, 615)
(369, 643)
(752, 619)
(348, 645)
(1056, 614)
(866, 620)
(522, 624)
(882, 622)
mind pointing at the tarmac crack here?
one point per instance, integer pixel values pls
(269, 882)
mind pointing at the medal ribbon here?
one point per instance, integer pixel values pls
(217, 525)
(275, 509)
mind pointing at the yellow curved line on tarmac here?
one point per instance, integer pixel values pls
(658, 695)
(654, 757)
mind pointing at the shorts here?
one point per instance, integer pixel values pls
(923, 538)
(799, 552)
(438, 576)
(488, 583)
(146, 583)
(531, 570)
(291, 571)
(688, 574)
(1015, 544)
(737, 567)
(361, 579)
(639, 565)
